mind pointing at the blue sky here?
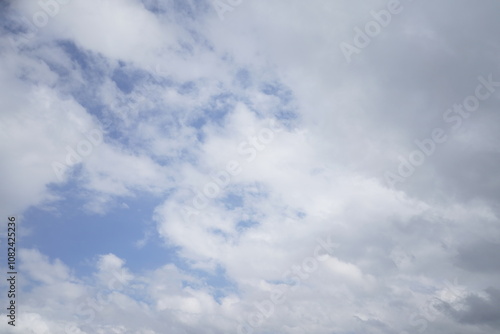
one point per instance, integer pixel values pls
(251, 166)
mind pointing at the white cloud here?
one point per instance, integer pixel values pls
(201, 93)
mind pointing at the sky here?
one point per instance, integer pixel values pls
(249, 166)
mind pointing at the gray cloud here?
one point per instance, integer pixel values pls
(477, 310)
(480, 256)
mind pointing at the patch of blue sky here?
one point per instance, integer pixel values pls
(232, 201)
(215, 111)
(287, 115)
(243, 78)
(124, 80)
(85, 60)
(244, 225)
(192, 9)
(301, 215)
(200, 39)
(218, 232)
(95, 69)
(220, 106)
(76, 237)
(287, 110)
(198, 123)
(183, 8)
(188, 88)
(280, 282)
(92, 68)
(220, 285)
(62, 71)
(279, 90)
(126, 77)
(15, 23)
(186, 48)
(152, 5)
(256, 190)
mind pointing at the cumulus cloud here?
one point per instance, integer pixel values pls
(286, 185)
